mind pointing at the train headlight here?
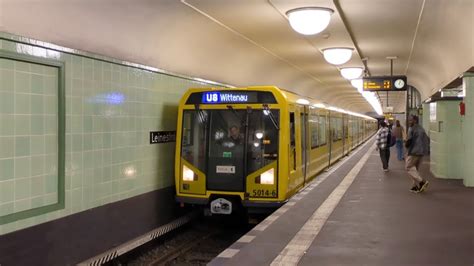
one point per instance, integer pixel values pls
(268, 177)
(188, 174)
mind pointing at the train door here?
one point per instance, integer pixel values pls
(304, 141)
(330, 135)
(355, 133)
(292, 150)
(227, 150)
(347, 141)
(326, 137)
(344, 142)
(296, 146)
(349, 131)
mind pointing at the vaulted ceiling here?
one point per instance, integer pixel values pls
(249, 42)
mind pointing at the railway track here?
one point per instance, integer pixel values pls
(181, 250)
(194, 244)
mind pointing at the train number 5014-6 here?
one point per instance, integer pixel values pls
(264, 193)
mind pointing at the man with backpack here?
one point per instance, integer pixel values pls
(383, 143)
(417, 145)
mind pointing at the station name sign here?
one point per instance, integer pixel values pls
(162, 137)
(224, 97)
(385, 83)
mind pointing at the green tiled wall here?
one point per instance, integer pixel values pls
(31, 173)
(110, 109)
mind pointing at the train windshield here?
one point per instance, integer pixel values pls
(262, 138)
(194, 140)
(231, 142)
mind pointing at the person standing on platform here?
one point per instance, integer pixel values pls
(383, 146)
(417, 145)
(399, 132)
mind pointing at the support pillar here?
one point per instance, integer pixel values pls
(446, 141)
(468, 131)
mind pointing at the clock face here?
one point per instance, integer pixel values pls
(399, 83)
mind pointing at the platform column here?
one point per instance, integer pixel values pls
(468, 130)
(446, 140)
(426, 118)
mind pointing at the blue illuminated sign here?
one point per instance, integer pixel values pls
(231, 97)
(224, 97)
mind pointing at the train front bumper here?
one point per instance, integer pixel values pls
(254, 204)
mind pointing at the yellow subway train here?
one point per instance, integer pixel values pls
(255, 147)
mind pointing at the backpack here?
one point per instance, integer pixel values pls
(391, 140)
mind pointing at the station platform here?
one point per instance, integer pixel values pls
(356, 214)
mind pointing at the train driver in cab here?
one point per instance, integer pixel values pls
(233, 140)
(234, 135)
(232, 149)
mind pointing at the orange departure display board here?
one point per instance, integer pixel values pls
(390, 83)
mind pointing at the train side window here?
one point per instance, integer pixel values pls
(292, 130)
(313, 124)
(322, 131)
(339, 128)
(346, 127)
(193, 140)
(292, 142)
(262, 140)
(302, 131)
(188, 118)
(333, 129)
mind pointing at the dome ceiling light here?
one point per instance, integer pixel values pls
(309, 20)
(338, 55)
(351, 72)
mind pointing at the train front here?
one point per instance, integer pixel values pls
(227, 149)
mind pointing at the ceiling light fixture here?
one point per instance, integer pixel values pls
(302, 101)
(319, 105)
(358, 84)
(351, 72)
(373, 101)
(338, 55)
(309, 20)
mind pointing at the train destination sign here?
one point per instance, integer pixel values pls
(225, 97)
(231, 97)
(385, 83)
